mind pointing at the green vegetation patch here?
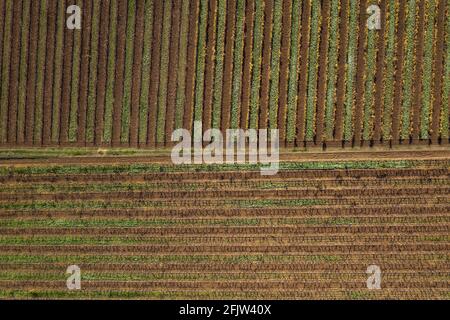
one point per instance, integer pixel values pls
(161, 168)
(258, 36)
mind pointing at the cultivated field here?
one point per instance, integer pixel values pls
(140, 68)
(86, 178)
(147, 229)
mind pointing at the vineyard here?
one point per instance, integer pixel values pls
(139, 69)
(139, 227)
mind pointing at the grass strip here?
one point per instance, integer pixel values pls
(312, 70)
(258, 36)
(133, 276)
(23, 75)
(164, 69)
(5, 70)
(446, 89)
(408, 70)
(129, 55)
(145, 75)
(149, 168)
(237, 64)
(427, 80)
(182, 60)
(390, 71)
(351, 71)
(133, 223)
(74, 103)
(109, 102)
(40, 73)
(58, 70)
(332, 70)
(293, 72)
(275, 64)
(369, 92)
(227, 259)
(92, 93)
(200, 65)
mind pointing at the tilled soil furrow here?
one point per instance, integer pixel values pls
(208, 230)
(375, 210)
(214, 249)
(231, 194)
(230, 175)
(392, 267)
(288, 286)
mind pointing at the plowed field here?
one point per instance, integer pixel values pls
(153, 230)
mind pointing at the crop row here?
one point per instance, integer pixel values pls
(132, 75)
(331, 184)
